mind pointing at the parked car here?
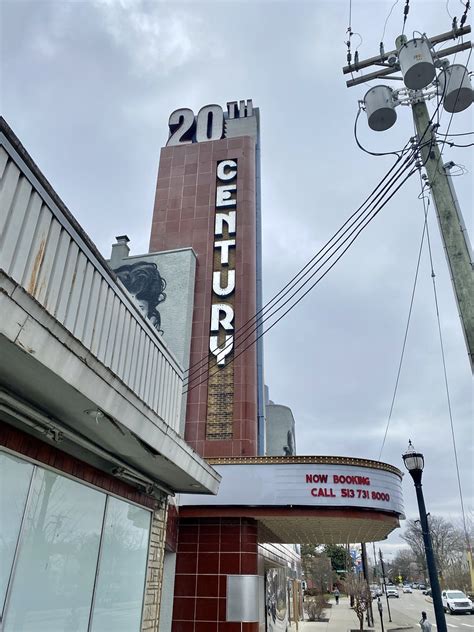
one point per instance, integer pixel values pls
(421, 587)
(407, 589)
(455, 601)
(375, 591)
(426, 591)
(392, 591)
(414, 586)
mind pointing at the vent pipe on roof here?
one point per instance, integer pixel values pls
(120, 251)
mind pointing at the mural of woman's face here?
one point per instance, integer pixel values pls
(146, 285)
(143, 305)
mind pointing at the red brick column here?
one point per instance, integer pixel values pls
(183, 216)
(209, 549)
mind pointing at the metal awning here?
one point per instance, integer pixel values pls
(48, 383)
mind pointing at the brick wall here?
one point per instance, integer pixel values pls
(34, 448)
(209, 549)
(154, 575)
(183, 216)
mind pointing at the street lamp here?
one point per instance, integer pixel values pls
(414, 462)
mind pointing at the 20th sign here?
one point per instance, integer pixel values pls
(207, 125)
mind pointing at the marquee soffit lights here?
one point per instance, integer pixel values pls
(310, 460)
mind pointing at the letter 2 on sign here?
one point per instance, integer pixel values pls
(184, 128)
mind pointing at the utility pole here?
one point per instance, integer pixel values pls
(456, 243)
(365, 571)
(454, 237)
(385, 585)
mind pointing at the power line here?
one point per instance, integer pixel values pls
(250, 325)
(402, 354)
(303, 272)
(445, 373)
(446, 142)
(447, 10)
(425, 226)
(373, 153)
(235, 356)
(460, 134)
(351, 225)
(387, 18)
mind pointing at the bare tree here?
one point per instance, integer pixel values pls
(448, 541)
(405, 564)
(358, 590)
(317, 571)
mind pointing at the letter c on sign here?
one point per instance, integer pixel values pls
(230, 174)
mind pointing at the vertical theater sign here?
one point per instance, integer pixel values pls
(223, 276)
(208, 199)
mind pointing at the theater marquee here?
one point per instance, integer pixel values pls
(308, 484)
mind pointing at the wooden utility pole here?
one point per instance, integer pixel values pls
(456, 244)
(451, 226)
(365, 571)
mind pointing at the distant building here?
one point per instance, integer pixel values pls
(280, 430)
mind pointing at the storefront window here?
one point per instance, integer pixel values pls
(122, 567)
(57, 561)
(15, 477)
(72, 558)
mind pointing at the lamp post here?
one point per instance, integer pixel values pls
(414, 462)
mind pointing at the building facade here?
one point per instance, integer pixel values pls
(90, 410)
(234, 570)
(132, 410)
(206, 199)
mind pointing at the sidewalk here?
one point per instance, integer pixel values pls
(342, 619)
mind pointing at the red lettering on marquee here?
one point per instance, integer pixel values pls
(316, 478)
(346, 479)
(323, 491)
(338, 479)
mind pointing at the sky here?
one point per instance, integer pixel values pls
(88, 88)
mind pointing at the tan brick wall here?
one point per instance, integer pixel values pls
(220, 394)
(154, 575)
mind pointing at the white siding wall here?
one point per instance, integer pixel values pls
(42, 250)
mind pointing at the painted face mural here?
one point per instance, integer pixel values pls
(144, 281)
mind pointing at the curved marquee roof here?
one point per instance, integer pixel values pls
(306, 499)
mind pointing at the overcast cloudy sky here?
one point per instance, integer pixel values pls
(88, 87)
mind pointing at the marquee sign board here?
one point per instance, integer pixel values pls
(303, 484)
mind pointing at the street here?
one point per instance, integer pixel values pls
(408, 609)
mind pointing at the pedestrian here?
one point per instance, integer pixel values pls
(336, 597)
(425, 625)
